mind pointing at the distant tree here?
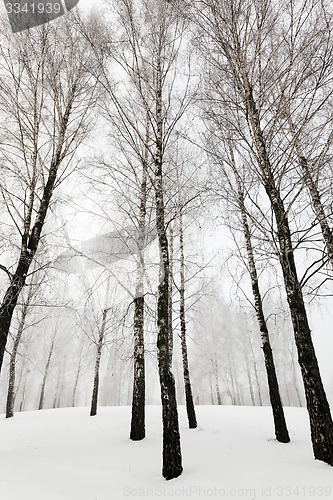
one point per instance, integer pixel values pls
(13, 355)
(97, 319)
(32, 299)
(46, 371)
(79, 369)
(99, 347)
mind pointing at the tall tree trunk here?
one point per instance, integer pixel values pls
(172, 458)
(138, 428)
(94, 398)
(46, 372)
(318, 408)
(13, 355)
(191, 416)
(281, 431)
(138, 399)
(171, 268)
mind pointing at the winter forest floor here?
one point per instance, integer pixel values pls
(64, 454)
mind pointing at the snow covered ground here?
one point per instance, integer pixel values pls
(66, 455)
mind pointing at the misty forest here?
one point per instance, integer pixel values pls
(167, 228)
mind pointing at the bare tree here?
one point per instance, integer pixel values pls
(172, 462)
(99, 347)
(47, 94)
(191, 415)
(46, 371)
(151, 43)
(128, 175)
(238, 33)
(281, 430)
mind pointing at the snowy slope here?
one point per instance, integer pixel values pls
(66, 455)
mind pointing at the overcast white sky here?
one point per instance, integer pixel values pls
(321, 319)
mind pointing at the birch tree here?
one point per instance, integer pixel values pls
(191, 415)
(127, 174)
(236, 34)
(238, 191)
(99, 347)
(48, 91)
(148, 52)
(165, 39)
(46, 370)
